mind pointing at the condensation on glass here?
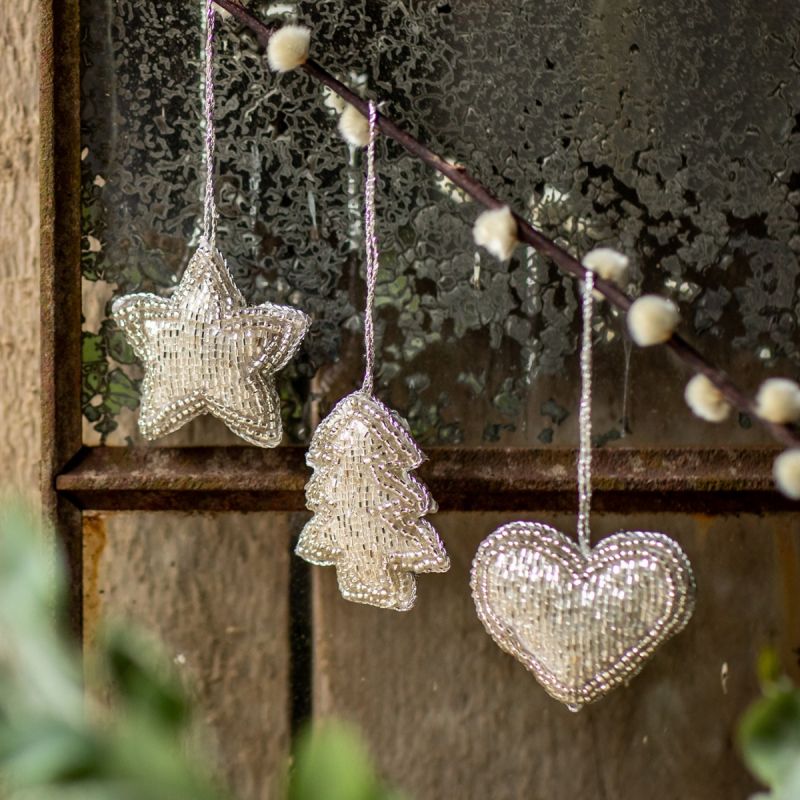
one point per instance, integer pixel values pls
(670, 136)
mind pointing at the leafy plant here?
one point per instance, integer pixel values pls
(769, 733)
(118, 729)
(331, 763)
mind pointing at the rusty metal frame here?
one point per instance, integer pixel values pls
(461, 478)
(76, 479)
(60, 277)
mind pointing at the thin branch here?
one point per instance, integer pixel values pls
(459, 175)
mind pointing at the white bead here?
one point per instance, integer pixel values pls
(786, 470)
(496, 230)
(778, 400)
(354, 127)
(288, 48)
(705, 400)
(652, 320)
(606, 262)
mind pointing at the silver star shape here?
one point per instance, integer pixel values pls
(204, 351)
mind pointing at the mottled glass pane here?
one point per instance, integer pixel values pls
(674, 137)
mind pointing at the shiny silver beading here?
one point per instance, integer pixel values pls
(368, 508)
(582, 624)
(203, 350)
(583, 620)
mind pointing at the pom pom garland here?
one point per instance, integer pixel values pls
(606, 262)
(786, 471)
(496, 230)
(288, 48)
(354, 127)
(652, 320)
(778, 400)
(705, 400)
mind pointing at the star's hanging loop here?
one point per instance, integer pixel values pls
(209, 201)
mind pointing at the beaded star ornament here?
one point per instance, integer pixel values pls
(203, 349)
(583, 620)
(368, 507)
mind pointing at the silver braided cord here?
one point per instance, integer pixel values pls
(585, 420)
(209, 204)
(371, 247)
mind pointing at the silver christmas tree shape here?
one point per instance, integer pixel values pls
(367, 506)
(204, 351)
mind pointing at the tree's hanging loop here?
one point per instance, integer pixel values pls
(372, 255)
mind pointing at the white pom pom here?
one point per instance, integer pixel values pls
(778, 400)
(288, 48)
(652, 319)
(607, 263)
(354, 127)
(705, 400)
(496, 230)
(786, 470)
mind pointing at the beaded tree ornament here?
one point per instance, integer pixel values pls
(583, 620)
(368, 507)
(204, 350)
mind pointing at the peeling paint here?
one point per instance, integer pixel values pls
(94, 545)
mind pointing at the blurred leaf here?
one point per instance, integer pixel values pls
(59, 742)
(144, 681)
(44, 751)
(56, 741)
(769, 736)
(331, 763)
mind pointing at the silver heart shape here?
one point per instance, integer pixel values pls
(582, 625)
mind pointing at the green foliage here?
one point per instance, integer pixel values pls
(331, 763)
(769, 732)
(57, 739)
(106, 391)
(124, 732)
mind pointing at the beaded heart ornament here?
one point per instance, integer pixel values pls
(583, 620)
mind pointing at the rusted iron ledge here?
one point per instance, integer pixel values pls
(461, 478)
(461, 177)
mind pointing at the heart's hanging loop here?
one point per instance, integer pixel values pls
(209, 203)
(585, 420)
(371, 247)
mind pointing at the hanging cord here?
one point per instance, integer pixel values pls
(371, 247)
(209, 205)
(585, 420)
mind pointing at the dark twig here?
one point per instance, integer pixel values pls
(464, 180)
